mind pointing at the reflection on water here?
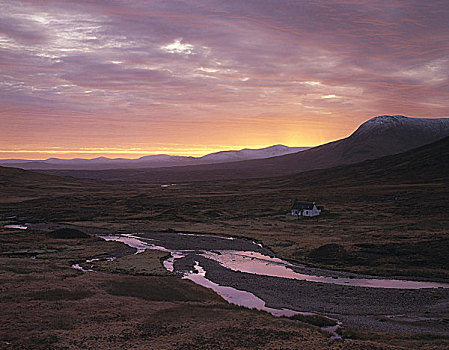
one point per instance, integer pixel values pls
(80, 268)
(233, 295)
(259, 264)
(169, 263)
(230, 294)
(17, 227)
(256, 263)
(206, 235)
(134, 242)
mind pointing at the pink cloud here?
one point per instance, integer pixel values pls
(105, 60)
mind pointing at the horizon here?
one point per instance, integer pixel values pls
(150, 154)
(128, 79)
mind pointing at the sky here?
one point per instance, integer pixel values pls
(130, 78)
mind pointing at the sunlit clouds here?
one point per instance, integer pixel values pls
(134, 77)
(178, 47)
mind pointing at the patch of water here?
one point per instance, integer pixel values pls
(258, 244)
(80, 268)
(230, 294)
(206, 235)
(100, 259)
(16, 227)
(233, 295)
(333, 329)
(134, 242)
(259, 264)
(169, 263)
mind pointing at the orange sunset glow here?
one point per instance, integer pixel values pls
(127, 79)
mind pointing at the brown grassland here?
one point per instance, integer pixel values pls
(46, 304)
(386, 223)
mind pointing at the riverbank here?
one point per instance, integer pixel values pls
(46, 304)
(422, 311)
(410, 308)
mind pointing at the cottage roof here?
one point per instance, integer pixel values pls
(302, 205)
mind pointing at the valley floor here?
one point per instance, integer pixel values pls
(47, 304)
(390, 229)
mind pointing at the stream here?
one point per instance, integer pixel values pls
(245, 273)
(255, 262)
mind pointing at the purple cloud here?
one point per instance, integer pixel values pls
(256, 62)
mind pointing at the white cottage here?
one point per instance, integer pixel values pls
(306, 209)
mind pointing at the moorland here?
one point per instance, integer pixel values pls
(384, 217)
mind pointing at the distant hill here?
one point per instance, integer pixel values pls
(247, 154)
(152, 161)
(378, 137)
(425, 164)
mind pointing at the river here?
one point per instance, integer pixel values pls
(245, 273)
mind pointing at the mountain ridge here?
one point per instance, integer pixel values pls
(389, 137)
(151, 161)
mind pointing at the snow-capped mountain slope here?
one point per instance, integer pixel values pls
(399, 126)
(247, 153)
(385, 135)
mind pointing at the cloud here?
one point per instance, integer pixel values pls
(178, 47)
(210, 61)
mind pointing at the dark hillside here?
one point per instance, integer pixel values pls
(426, 164)
(376, 138)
